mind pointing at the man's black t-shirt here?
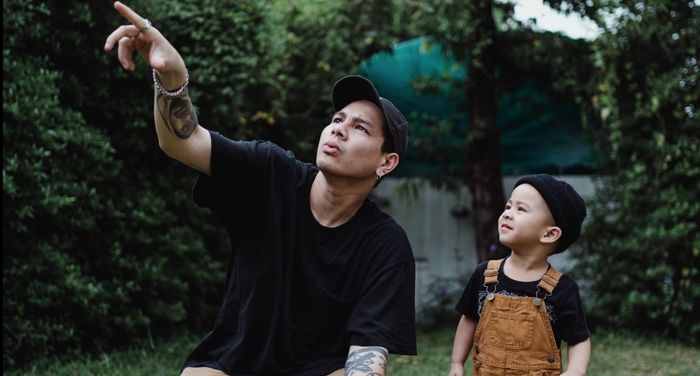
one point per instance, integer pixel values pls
(298, 294)
(564, 305)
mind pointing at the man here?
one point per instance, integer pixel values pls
(320, 281)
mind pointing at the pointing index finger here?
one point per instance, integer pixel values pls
(130, 15)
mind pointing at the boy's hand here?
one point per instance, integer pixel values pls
(456, 369)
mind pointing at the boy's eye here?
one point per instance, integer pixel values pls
(521, 209)
(336, 120)
(361, 128)
(507, 206)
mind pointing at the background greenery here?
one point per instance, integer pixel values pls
(103, 248)
(641, 256)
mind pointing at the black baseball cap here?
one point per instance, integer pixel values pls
(354, 88)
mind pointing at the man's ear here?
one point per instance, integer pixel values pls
(551, 235)
(389, 163)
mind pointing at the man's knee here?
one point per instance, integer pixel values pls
(202, 371)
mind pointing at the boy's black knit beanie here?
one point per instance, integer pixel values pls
(565, 204)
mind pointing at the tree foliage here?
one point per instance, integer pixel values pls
(94, 251)
(641, 248)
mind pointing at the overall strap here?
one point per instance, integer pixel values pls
(491, 272)
(549, 280)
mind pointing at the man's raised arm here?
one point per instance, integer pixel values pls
(179, 134)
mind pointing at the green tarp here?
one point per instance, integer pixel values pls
(538, 133)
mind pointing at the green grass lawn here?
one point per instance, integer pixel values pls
(613, 355)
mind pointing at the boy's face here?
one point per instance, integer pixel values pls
(350, 145)
(525, 220)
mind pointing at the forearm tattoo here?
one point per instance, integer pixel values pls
(366, 361)
(177, 113)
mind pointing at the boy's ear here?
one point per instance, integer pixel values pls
(551, 235)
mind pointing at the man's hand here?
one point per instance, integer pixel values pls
(179, 134)
(140, 36)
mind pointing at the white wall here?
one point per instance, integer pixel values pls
(443, 243)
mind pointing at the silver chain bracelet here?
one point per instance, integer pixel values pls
(171, 94)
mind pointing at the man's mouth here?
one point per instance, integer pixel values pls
(331, 148)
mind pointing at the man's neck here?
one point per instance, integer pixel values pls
(334, 201)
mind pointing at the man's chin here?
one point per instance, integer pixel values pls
(328, 169)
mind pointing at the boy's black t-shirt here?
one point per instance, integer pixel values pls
(298, 294)
(564, 305)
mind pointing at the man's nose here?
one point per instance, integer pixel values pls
(338, 129)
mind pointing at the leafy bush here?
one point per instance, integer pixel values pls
(98, 250)
(641, 248)
(438, 308)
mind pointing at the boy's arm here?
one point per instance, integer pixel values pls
(579, 354)
(366, 361)
(462, 345)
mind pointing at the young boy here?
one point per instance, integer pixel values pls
(517, 310)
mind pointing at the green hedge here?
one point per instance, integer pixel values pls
(641, 248)
(101, 246)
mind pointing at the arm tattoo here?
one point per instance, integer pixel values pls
(364, 361)
(177, 113)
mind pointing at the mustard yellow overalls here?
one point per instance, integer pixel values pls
(514, 335)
